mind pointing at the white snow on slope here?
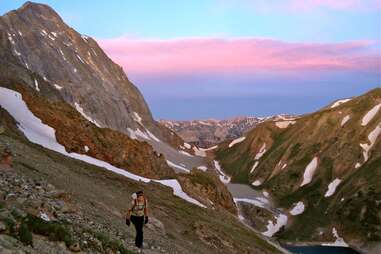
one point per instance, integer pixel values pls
(284, 124)
(339, 102)
(203, 168)
(332, 187)
(236, 141)
(36, 85)
(256, 183)
(137, 118)
(309, 171)
(224, 178)
(199, 152)
(339, 240)
(256, 201)
(272, 228)
(370, 115)
(87, 149)
(80, 110)
(372, 138)
(57, 87)
(174, 165)
(42, 134)
(345, 120)
(254, 167)
(178, 191)
(261, 152)
(297, 209)
(152, 136)
(188, 146)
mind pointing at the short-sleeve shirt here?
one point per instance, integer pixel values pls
(137, 209)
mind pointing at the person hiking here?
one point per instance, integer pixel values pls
(138, 215)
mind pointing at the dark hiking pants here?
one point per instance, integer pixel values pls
(138, 222)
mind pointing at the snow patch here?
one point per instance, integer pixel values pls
(254, 167)
(339, 240)
(137, 118)
(57, 86)
(372, 137)
(256, 201)
(199, 152)
(345, 120)
(297, 209)
(36, 85)
(80, 110)
(332, 187)
(152, 136)
(224, 178)
(261, 152)
(309, 171)
(272, 228)
(42, 134)
(203, 168)
(87, 149)
(339, 102)
(256, 183)
(174, 165)
(44, 216)
(178, 191)
(370, 115)
(284, 124)
(188, 146)
(236, 141)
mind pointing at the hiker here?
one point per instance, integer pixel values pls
(138, 215)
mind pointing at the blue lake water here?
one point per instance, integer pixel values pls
(320, 250)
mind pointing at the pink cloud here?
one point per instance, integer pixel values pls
(205, 55)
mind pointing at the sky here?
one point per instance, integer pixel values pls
(224, 58)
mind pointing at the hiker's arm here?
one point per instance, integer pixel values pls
(146, 209)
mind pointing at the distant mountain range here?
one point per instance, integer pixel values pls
(209, 132)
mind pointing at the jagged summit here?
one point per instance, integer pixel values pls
(43, 53)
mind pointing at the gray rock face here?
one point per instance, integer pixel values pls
(38, 49)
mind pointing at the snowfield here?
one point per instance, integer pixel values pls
(80, 110)
(224, 178)
(256, 202)
(254, 167)
(332, 187)
(339, 102)
(372, 137)
(345, 120)
(256, 183)
(261, 152)
(174, 165)
(236, 141)
(309, 171)
(272, 228)
(370, 115)
(339, 240)
(297, 209)
(137, 118)
(284, 124)
(203, 168)
(42, 134)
